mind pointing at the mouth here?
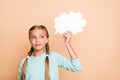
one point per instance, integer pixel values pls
(37, 45)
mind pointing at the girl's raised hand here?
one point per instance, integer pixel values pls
(67, 37)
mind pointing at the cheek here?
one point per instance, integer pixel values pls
(46, 41)
(43, 42)
(32, 42)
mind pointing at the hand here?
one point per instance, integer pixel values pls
(67, 37)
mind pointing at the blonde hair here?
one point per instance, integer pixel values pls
(32, 50)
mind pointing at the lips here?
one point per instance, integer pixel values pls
(37, 45)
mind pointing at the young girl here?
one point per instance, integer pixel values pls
(40, 64)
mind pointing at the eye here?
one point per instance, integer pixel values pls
(41, 36)
(33, 37)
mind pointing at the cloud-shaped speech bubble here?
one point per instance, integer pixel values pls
(72, 22)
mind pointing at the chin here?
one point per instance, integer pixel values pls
(37, 49)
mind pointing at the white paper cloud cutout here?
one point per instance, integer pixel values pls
(72, 22)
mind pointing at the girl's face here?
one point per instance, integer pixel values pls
(38, 39)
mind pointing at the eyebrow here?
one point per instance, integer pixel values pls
(39, 35)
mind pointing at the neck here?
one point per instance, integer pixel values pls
(38, 52)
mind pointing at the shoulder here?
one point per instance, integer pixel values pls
(22, 60)
(54, 53)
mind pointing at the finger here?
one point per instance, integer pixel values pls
(69, 32)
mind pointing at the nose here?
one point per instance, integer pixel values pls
(37, 39)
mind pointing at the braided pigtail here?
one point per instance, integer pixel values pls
(24, 69)
(31, 51)
(47, 76)
(47, 48)
(25, 64)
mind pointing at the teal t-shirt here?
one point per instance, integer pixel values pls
(35, 69)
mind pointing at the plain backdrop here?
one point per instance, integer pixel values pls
(98, 45)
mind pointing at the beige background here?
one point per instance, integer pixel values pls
(98, 45)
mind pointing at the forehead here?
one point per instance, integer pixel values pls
(38, 32)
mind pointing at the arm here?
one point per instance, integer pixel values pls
(67, 38)
(68, 64)
(74, 63)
